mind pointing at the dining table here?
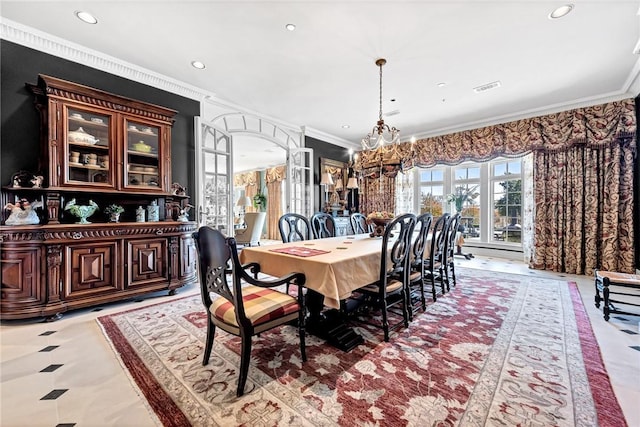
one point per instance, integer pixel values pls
(334, 267)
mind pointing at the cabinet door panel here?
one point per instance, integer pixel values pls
(144, 168)
(21, 275)
(187, 257)
(147, 261)
(91, 269)
(87, 156)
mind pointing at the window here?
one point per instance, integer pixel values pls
(488, 196)
(431, 191)
(506, 183)
(465, 197)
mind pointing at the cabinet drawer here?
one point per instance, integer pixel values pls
(21, 275)
(90, 269)
(147, 261)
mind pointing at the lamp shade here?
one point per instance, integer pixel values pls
(339, 184)
(244, 201)
(326, 179)
(352, 183)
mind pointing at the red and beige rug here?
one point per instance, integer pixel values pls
(499, 350)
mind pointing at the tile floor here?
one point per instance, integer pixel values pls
(65, 374)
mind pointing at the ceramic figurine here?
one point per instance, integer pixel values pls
(140, 214)
(23, 213)
(184, 214)
(153, 212)
(37, 181)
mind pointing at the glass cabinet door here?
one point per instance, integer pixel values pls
(88, 150)
(142, 156)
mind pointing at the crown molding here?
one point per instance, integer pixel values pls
(47, 43)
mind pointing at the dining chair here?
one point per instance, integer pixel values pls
(249, 306)
(416, 272)
(433, 264)
(323, 225)
(359, 224)
(294, 227)
(450, 249)
(390, 290)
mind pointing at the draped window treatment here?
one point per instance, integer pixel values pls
(274, 177)
(583, 179)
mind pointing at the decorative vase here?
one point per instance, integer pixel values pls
(140, 214)
(380, 225)
(81, 211)
(153, 212)
(114, 217)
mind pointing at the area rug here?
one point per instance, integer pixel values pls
(498, 350)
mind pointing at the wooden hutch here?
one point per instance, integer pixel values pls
(106, 149)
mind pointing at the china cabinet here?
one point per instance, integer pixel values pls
(97, 149)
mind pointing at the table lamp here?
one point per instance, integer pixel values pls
(352, 184)
(326, 181)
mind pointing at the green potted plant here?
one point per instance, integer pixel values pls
(114, 212)
(260, 201)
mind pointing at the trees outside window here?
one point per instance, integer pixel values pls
(488, 196)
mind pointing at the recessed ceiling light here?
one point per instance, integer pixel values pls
(441, 84)
(561, 11)
(197, 64)
(290, 27)
(345, 126)
(86, 17)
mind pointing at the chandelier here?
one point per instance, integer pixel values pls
(371, 141)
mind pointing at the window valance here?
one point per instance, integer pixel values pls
(276, 174)
(595, 126)
(245, 179)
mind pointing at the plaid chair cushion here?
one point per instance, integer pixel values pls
(261, 305)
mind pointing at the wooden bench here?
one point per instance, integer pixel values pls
(612, 283)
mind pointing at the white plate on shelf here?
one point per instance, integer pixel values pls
(148, 131)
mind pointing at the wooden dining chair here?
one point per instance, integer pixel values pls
(433, 265)
(450, 250)
(249, 306)
(390, 290)
(417, 277)
(359, 224)
(294, 227)
(323, 225)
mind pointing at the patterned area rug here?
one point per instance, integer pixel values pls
(499, 350)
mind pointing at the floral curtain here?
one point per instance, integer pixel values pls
(377, 194)
(274, 177)
(584, 209)
(583, 167)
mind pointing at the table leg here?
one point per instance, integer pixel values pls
(329, 325)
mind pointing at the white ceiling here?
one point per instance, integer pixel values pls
(323, 75)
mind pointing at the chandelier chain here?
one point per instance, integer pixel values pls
(380, 115)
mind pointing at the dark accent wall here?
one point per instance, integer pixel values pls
(327, 151)
(19, 132)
